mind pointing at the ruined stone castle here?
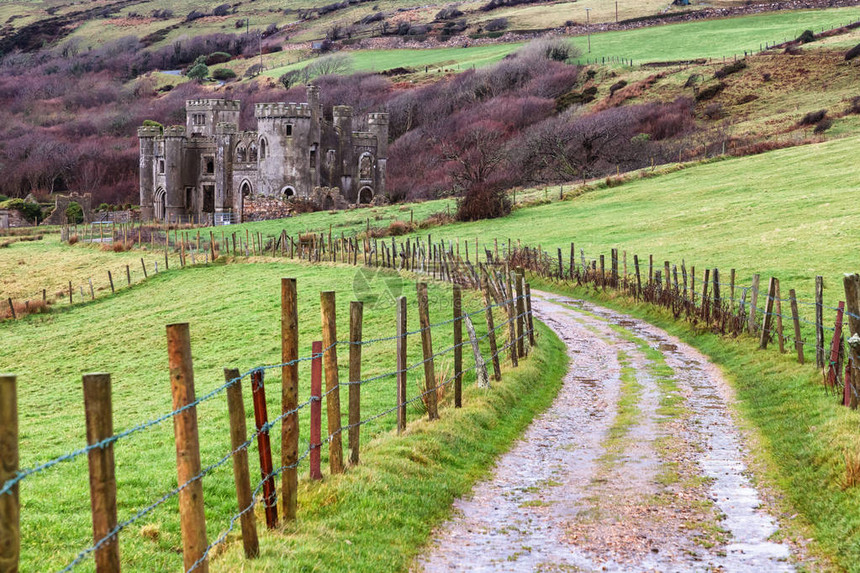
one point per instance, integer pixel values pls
(207, 170)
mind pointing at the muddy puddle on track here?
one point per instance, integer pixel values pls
(637, 466)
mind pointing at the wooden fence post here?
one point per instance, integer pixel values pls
(852, 309)
(638, 276)
(99, 422)
(142, 264)
(332, 383)
(491, 329)
(10, 511)
(458, 346)
(289, 396)
(427, 347)
(767, 321)
(12, 308)
(356, 315)
(819, 321)
(316, 409)
(753, 303)
(191, 514)
(529, 316)
(512, 313)
(261, 418)
(795, 316)
(241, 471)
(401, 364)
(779, 326)
(110, 279)
(521, 311)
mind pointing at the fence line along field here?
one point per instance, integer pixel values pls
(231, 336)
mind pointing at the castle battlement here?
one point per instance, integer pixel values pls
(363, 135)
(281, 110)
(212, 104)
(149, 131)
(341, 111)
(225, 128)
(174, 131)
(377, 119)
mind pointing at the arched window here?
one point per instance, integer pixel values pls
(246, 189)
(263, 146)
(160, 203)
(241, 154)
(288, 192)
(252, 153)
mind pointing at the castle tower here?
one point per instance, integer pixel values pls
(174, 144)
(342, 115)
(288, 161)
(202, 115)
(225, 141)
(378, 126)
(148, 146)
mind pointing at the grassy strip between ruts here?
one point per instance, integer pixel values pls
(378, 515)
(803, 439)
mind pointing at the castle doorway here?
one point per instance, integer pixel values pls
(288, 193)
(208, 199)
(160, 204)
(328, 203)
(245, 189)
(365, 196)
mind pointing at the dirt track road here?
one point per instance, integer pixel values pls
(637, 466)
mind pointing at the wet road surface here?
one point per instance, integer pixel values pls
(637, 466)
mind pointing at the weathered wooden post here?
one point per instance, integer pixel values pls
(779, 327)
(819, 321)
(767, 321)
(241, 471)
(851, 283)
(289, 396)
(427, 347)
(356, 315)
(261, 418)
(521, 311)
(795, 316)
(191, 514)
(316, 409)
(332, 383)
(99, 422)
(512, 313)
(10, 511)
(529, 316)
(401, 364)
(491, 329)
(753, 304)
(458, 346)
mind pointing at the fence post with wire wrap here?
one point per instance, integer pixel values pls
(10, 511)
(191, 513)
(332, 382)
(401, 364)
(852, 307)
(241, 471)
(289, 396)
(261, 418)
(457, 300)
(356, 316)
(99, 423)
(316, 410)
(427, 347)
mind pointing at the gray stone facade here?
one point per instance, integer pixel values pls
(206, 170)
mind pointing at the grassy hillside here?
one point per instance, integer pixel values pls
(787, 213)
(701, 39)
(235, 322)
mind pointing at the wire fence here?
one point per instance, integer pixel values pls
(517, 321)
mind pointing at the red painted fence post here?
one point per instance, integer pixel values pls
(261, 417)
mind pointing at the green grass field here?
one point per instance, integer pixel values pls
(786, 213)
(234, 315)
(689, 40)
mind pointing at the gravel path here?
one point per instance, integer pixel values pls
(637, 466)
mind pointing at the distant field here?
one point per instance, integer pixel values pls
(701, 39)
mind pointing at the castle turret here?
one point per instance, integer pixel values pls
(148, 145)
(378, 125)
(342, 115)
(202, 115)
(288, 163)
(225, 138)
(174, 141)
